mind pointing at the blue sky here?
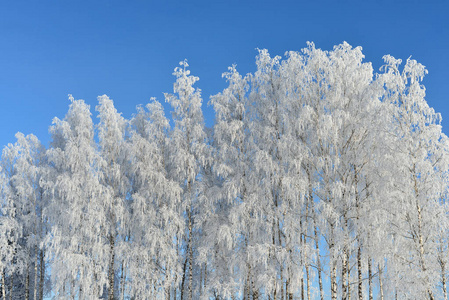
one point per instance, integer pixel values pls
(128, 49)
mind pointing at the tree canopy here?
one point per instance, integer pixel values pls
(320, 179)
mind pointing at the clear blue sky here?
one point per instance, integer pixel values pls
(128, 49)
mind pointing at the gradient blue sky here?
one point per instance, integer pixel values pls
(128, 49)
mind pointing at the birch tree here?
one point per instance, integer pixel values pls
(153, 257)
(421, 156)
(79, 244)
(114, 168)
(189, 154)
(226, 238)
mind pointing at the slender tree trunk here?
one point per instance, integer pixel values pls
(281, 265)
(381, 288)
(306, 256)
(247, 284)
(420, 236)
(348, 275)
(111, 274)
(27, 283)
(272, 254)
(442, 262)
(333, 264)
(443, 282)
(255, 293)
(359, 272)
(201, 281)
(308, 282)
(3, 284)
(359, 243)
(36, 261)
(72, 290)
(301, 241)
(333, 280)
(344, 288)
(318, 261)
(11, 288)
(370, 279)
(289, 294)
(183, 280)
(190, 256)
(205, 278)
(122, 282)
(315, 229)
(42, 275)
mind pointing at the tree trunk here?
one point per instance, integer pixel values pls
(308, 282)
(183, 278)
(247, 284)
(11, 288)
(348, 270)
(359, 272)
(318, 261)
(36, 253)
(381, 288)
(443, 281)
(333, 264)
(27, 283)
(370, 279)
(3, 285)
(111, 274)
(315, 229)
(205, 278)
(42, 275)
(255, 292)
(190, 255)
(122, 282)
(420, 236)
(167, 293)
(344, 290)
(333, 280)
(301, 240)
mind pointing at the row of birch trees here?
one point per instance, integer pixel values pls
(320, 179)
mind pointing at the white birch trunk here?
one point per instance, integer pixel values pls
(370, 279)
(334, 281)
(381, 288)
(190, 256)
(111, 274)
(36, 262)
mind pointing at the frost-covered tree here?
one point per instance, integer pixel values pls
(226, 239)
(10, 231)
(419, 214)
(114, 165)
(80, 236)
(22, 163)
(188, 155)
(152, 261)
